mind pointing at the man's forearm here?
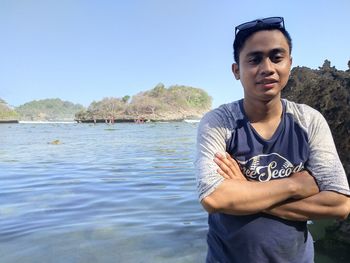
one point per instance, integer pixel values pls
(244, 197)
(237, 196)
(325, 204)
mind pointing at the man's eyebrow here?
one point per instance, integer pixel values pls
(278, 50)
(254, 53)
(272, 51)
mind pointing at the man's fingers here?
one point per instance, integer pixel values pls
(234, 162)
(223, 174)
(228, 165)
(222, 165)
(220, 156)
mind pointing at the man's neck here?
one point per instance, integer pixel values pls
(262, 111)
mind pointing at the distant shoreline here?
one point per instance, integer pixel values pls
(46, 122)
(91, 121)
(129, 120)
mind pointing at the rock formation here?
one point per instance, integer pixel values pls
(327, 90)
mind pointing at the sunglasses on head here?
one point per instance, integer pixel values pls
(273, 21)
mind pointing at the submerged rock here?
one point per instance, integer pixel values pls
(55, 142)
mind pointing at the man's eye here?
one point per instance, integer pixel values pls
(254, 60)
(277, 58)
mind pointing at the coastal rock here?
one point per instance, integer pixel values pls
(327, 90)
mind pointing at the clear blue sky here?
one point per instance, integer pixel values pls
(85, 50)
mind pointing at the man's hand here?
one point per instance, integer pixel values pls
(305, 184)
(228, 167)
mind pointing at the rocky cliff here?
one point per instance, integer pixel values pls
(328, 90)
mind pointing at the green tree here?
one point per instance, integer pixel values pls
(126, 98)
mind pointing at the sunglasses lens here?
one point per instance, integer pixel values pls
(272, 20)
(268, 21)
(246, 25)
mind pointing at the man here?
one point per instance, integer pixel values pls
(266, 165)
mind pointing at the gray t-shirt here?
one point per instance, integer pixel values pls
(302, 141)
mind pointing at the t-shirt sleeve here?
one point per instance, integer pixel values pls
(211, 138)
(324, 162)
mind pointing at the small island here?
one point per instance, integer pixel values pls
(48, 110)
(175, 103)
(7, 113)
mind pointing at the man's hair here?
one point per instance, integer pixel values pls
(243, 35)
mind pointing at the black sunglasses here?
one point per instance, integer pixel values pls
(273, 21)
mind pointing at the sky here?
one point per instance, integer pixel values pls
(85, 50)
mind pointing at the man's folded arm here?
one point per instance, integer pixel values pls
(245, 197)
(326, 204)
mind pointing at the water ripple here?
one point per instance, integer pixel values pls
(110, 189)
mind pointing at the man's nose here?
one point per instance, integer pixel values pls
(266, 67)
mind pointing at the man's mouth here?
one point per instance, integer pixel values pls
(267, 81)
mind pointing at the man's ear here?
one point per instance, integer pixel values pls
(235, 70)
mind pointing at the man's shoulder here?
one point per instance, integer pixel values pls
(304, 114)
(226, 114)
(299, 107)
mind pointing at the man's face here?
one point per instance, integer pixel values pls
(264, 65)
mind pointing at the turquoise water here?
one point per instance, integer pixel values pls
(85, 193)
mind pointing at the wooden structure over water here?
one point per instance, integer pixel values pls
(8, 121)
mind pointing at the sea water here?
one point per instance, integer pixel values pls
(100, 193)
